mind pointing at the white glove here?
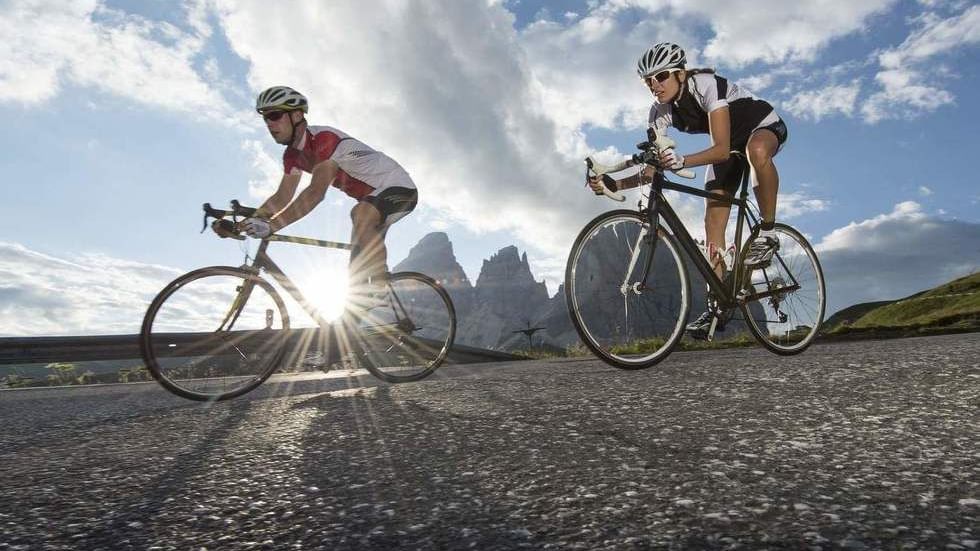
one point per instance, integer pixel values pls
(671, 160)
(257, 228)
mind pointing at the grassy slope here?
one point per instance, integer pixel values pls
(852, 313)
(955, 305)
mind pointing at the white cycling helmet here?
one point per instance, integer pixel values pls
(665, 55)
(281, 98)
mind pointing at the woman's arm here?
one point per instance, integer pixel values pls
(640, 178)
(719, 125)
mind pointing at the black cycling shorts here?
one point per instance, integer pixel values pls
(393, 203)
(728, 175)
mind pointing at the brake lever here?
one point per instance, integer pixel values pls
(594, 168)
(207, 207)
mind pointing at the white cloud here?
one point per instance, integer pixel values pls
(896, 254)
(925, 191)
(448, 93)
(47, 45)
(934, 36)
(439, 224)
(817, 104)
(586, 68)
(909, 81)
(793, 204)
(83, 295)
(903, 95)
(268, 170)
(585, 72)
(771, 31)
(758, 83)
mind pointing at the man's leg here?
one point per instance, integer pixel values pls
(369, 255)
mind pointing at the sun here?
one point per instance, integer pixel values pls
(323, 281)
(328, 295)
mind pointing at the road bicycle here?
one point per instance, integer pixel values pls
(218, 332)
(627, 283)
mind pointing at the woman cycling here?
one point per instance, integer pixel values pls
(698, 101)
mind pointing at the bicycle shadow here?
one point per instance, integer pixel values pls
(386, 472)
(136, 521)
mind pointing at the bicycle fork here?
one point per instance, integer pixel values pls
(646, 237)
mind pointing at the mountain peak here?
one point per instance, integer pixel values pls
(433, 255)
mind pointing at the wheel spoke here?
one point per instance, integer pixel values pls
(802, 307)
(189, 358)
(629, 323)
(419, 329)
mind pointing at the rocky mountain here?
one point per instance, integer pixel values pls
(433, 255)
(506, 297)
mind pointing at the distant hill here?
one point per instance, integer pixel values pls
(851, 314)
(951, 307)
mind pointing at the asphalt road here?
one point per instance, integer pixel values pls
(861, 445)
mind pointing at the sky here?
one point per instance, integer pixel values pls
(123, 117)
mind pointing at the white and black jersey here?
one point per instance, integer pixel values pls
(705, 92)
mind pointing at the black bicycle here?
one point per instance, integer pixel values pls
(218, 332)
(628, 290)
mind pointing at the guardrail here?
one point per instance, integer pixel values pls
(37, 350)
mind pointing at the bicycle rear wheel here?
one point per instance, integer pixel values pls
(790, 295)
(628, 323)
(410, 337)
(214, 333)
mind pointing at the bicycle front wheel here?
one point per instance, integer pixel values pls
(214, 333)
(629, 318)
(785, 300)
(411, 336)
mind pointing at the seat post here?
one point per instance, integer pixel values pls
(743, 165)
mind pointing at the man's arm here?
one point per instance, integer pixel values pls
(323, 175)
(282, 196)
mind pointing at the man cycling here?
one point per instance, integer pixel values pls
(383, 190)
(698, 101)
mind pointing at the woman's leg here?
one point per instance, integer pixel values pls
(716, 215)
(761, 148)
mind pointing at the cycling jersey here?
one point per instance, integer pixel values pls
(704, 93)
(363, 171)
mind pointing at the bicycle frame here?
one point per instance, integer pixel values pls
(262, 261)
(658, 208)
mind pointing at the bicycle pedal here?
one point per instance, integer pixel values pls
(715, 326)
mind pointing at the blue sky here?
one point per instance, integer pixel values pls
(121, 118)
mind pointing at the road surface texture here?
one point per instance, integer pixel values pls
(860, 445)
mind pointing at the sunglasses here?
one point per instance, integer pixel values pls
(273, 115)
(661, 77)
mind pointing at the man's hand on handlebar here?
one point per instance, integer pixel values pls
(258, 228)
(225, 228)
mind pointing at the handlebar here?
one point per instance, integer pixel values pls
(227, 228)
(599, 170)
(649, 155)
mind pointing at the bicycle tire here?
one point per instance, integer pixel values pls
(162, 344)
(630, 343)
(420, 335)
(797, 332)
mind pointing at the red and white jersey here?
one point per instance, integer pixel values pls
(363, 170)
